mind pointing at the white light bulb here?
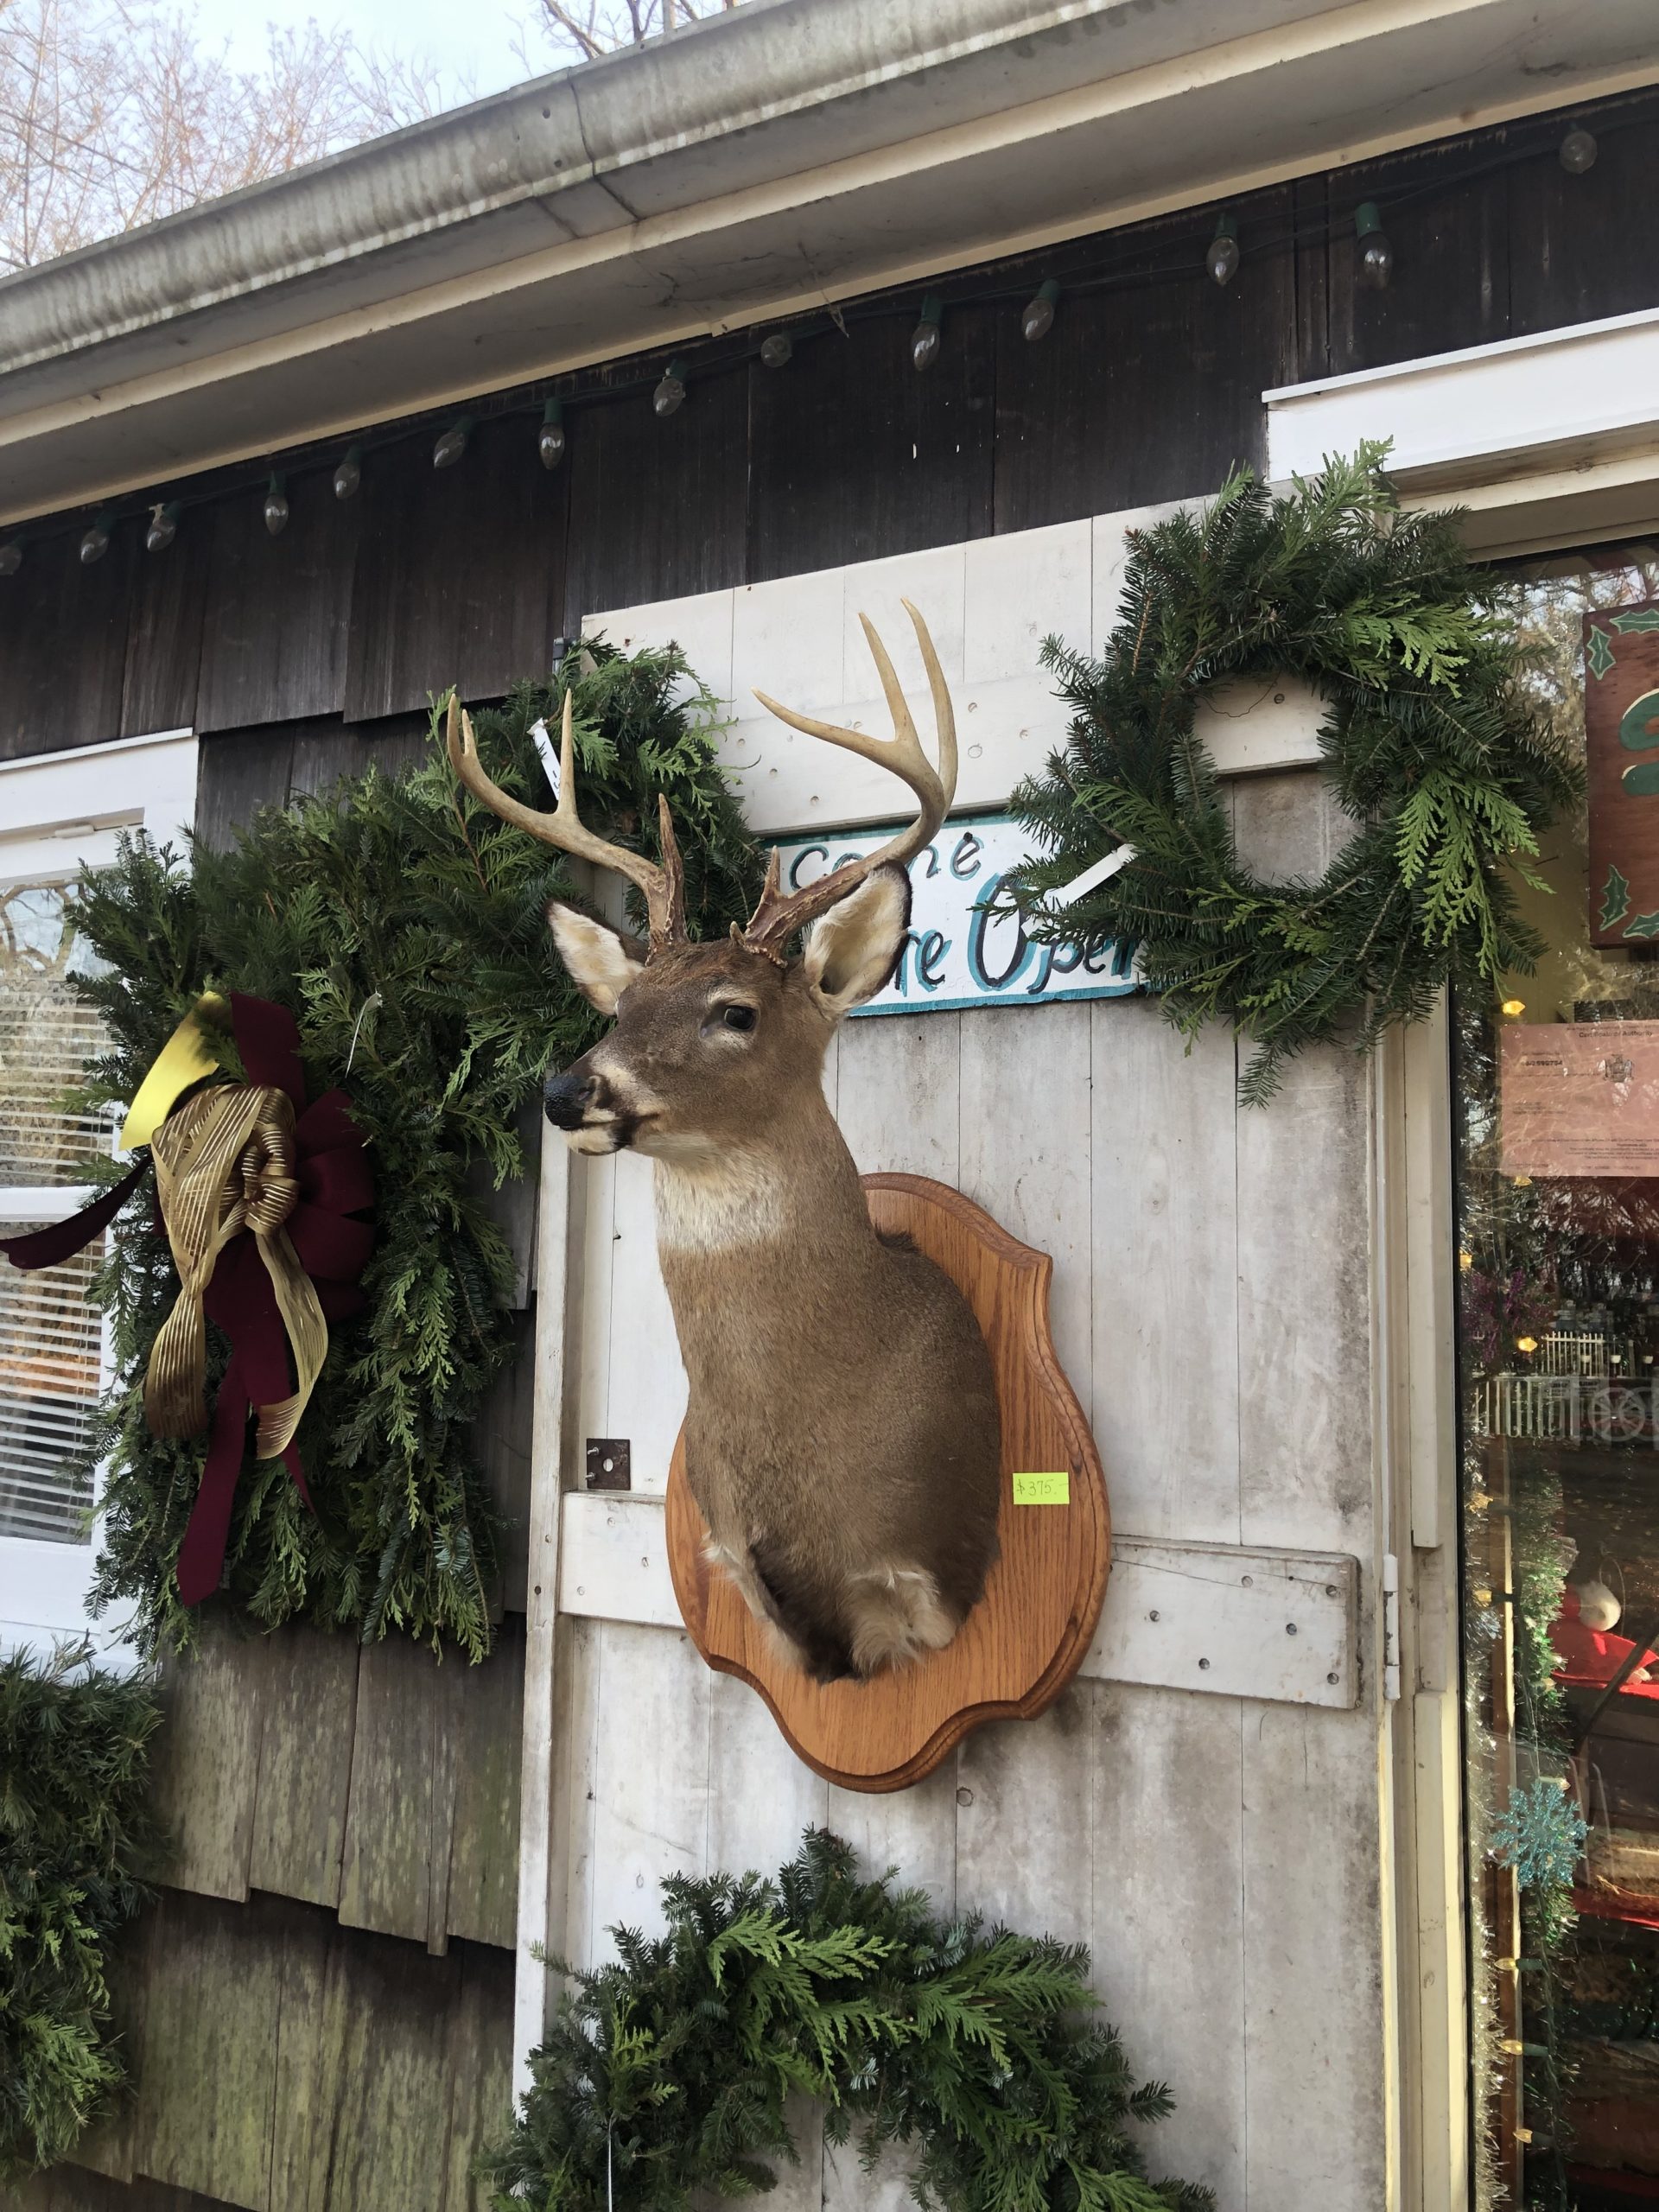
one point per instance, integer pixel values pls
(925, 340)
(275, 507)
(549, 442)
(453, 443)
(163, 526)
(669, 395)
(349, 474)
(1375, 254)
(1037, 319)
(96, 543)
(776, 349)
(1222, 260)
(1578, 151)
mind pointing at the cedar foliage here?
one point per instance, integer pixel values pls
(403, 925)
(1431, 744)
(667, 2071)
(76, 1840)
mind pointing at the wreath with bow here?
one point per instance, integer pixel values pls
(362, 988)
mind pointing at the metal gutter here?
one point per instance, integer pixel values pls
(792, 151)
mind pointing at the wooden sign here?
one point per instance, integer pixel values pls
(1621, 733)
(1030, 1631)
(958, 953)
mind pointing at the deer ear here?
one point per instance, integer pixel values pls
(851, 952)
(601, 962)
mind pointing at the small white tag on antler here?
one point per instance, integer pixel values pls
(543, 745)
(1097, 872)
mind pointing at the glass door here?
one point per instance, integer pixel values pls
(1557, 1084)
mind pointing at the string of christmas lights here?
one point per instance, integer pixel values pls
(1227, 251)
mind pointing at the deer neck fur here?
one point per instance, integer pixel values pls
(787, 1190)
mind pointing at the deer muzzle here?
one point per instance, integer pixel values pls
(566, 1098)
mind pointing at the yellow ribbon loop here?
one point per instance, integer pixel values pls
(184, 1059)
(225, 1162)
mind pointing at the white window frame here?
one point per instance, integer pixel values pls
(1546, 443)
(60, 814)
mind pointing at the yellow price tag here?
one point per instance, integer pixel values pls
(1043, 1490)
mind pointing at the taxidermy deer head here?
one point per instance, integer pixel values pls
(842, 1436)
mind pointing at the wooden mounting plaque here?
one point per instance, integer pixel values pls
(1027, 1636)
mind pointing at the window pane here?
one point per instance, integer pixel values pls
(1557, 1082)
(47, 1036)
(49, 1374)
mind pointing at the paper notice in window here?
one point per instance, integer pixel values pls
(1580, 1098)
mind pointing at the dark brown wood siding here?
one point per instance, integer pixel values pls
(1148, 387)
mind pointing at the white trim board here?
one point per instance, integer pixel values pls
(989, 604)
(1548, 438)
(1231, 1620)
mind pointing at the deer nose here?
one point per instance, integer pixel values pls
(564, 1100)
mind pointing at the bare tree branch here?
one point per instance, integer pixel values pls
(113, 113)
(596, 27)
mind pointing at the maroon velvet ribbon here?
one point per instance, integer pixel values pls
(332, 1169)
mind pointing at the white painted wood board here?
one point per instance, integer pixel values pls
(989, 605)
(1215, 1841)
(1225, 1620)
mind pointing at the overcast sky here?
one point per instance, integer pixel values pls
(464, 37)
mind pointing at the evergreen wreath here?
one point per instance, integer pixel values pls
(403, 925)
(1430, 741)
(76, 1843)
(667, 2072)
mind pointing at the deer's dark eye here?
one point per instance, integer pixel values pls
(738, 1017)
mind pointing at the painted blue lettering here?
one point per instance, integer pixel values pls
(984, 921)
(930, 960)
(806, 853)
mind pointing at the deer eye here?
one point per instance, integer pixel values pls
(738, 1017)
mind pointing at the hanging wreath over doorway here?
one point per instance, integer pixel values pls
(1432, 743)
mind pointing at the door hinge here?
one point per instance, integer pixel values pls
(1390, 1626)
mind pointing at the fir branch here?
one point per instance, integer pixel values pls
(665, 2073)
(1430, 742)
(404, 890)
(77, 1842)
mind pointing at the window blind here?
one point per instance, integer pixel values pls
(50, 1367)
(50, 1337)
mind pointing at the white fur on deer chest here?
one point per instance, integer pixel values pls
(708, 1206)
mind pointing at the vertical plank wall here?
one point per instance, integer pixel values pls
(1211, 1302)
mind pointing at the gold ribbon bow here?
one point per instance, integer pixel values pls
(225, 1162)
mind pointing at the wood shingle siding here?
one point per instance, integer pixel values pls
(74, 2188)
(282, 2062)
(378, 1782)
(273, 645)
(460, 576)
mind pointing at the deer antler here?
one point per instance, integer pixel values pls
(664, 887)
(778, 917)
